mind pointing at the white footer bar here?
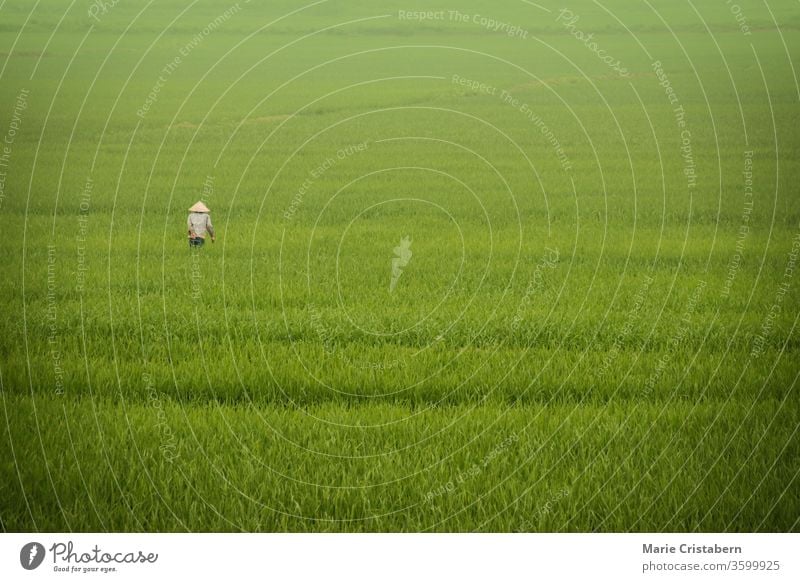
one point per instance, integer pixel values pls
(400, 557)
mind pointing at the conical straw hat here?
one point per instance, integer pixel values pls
(199, 207)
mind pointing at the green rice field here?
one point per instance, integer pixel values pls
(510, 267)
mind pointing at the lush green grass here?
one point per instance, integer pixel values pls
(582, 340)
(557, 467)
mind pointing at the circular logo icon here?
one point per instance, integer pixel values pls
(31, 555)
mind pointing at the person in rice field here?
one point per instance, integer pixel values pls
(199, 223)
